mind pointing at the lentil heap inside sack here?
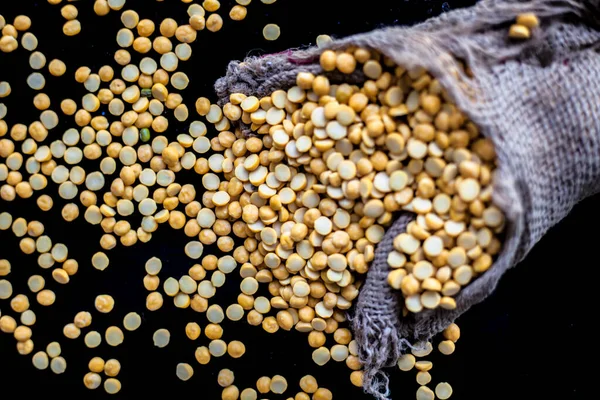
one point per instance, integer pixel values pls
(342, 160)
(355, 155)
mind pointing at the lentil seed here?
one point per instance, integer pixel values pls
(92, 339)
(40, 360)
(443, 390)
(271, 32)
(58, 365)
(92, 380)
(112, 386)
(161, 338)
(132, 321)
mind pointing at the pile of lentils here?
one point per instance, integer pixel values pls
(299, 205)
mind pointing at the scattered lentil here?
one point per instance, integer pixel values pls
(161, 338)
(184, 371)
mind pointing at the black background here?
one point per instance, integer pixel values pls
(525, 341)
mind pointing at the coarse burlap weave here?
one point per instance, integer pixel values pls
(538, 100)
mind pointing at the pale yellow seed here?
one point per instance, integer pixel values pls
(53, 349)
(423, 270)
(6, 289)
(92, 339)
(28, 318)
(29, 42)
(468, 189)
(446, 347)
(217, 348)
(339, 352)
(130, 19)
(443, 390)
(271, 32)
(40, 360)
(321, 356)
(424, 393)
(114, 336)
(413, 303)
(249, 286)
(171, 287)
(184, 371)
(278, 384)
(406, 362)
(235, 312)
(215, 314)
(395, 278)
(161, 338)
(433, 246)
(100, 261)
(58, 365)
(112, 386)
(248, 394)
(463, 275)
(323, 40)
(423, 378)
(194, 249)
(430, 299)
(132, 321)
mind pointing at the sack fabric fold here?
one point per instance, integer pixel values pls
(538, 100)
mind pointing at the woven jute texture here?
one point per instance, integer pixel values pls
(539, 102)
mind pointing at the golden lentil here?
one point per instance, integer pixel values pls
(104, 303)
(92, 380)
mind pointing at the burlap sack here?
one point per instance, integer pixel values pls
(538, 100)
